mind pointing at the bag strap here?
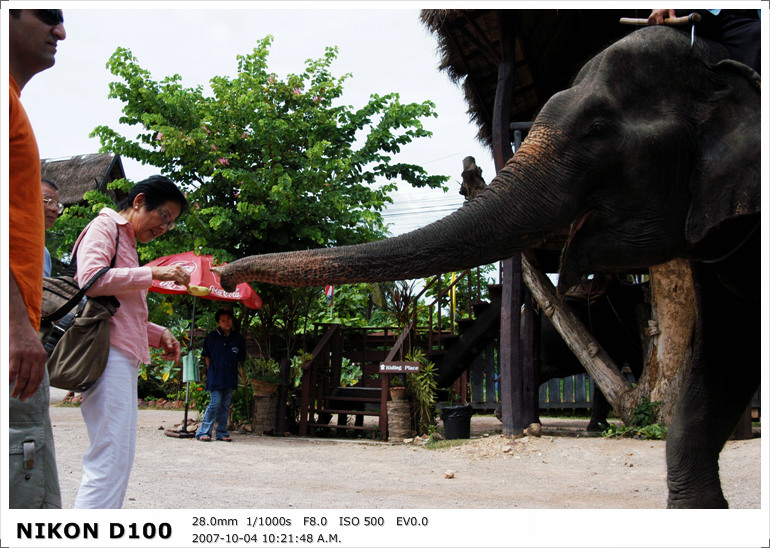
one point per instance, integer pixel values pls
(73, 266)
(70, 304)
(60, 313)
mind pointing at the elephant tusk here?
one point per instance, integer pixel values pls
(577, 224)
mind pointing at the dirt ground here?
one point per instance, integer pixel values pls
(489, 471)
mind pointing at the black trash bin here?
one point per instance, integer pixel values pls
(457, 421)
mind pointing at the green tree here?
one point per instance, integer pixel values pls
(268, 164)
(473, 287)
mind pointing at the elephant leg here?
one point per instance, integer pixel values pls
(600, 408)
(724, 376)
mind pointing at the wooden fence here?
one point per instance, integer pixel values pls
(575, 392)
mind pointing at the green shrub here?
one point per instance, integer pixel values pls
(242, 404)
(200, 396)
(422, 387)
(646, 413)
(351, 373)
(644, 425)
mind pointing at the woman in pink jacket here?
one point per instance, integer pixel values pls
(109, 406)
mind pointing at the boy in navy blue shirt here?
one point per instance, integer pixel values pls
(222, 349)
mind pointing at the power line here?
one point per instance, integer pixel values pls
(466, 151)
(421, 211)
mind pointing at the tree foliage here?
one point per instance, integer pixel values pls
(268, 164)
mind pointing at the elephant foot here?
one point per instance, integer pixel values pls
(597, 426)
(695, 492)
(697, 502)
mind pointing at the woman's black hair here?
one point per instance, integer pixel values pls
(157, 190)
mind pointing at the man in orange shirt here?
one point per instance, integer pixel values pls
(34, 481)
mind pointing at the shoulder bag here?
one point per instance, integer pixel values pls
(75, 329)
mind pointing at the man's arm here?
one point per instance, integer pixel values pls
(26, 365)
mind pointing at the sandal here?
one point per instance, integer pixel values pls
(204, 438)
(226, 438)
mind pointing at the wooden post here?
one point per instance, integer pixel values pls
(477, 379)
(283, 393)
(510, 314)
(529, 365)
(304, 402)
(383, 424)
(489, 373)
(510, 349)
(501, 135)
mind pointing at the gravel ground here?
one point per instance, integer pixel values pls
(489, 471)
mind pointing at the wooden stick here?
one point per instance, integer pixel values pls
(671, 21)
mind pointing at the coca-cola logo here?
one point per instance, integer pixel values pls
(189, 266)
(219, 292)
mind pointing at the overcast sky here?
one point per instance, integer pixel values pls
(386, 50)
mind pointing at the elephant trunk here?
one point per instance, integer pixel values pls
(504, 218)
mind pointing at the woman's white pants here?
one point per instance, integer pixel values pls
(110, 413)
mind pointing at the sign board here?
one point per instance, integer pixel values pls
(400, 367)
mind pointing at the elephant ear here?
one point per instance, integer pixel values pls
(725, 182)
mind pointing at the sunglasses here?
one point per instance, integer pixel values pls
(50, 17)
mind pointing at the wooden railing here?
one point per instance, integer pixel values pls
(434, 307)
(319, 375)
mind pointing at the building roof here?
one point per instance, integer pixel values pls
(551, 46)
(76, 175)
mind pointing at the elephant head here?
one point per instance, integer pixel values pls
(653, 149)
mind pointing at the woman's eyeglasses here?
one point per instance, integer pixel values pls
(52, 204)
(50, 17)
(166, 217)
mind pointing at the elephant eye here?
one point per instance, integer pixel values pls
(597, 128)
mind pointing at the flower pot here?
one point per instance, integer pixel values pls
(263, 388)
(398, 393)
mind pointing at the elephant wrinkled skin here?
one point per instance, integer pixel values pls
(652, 154)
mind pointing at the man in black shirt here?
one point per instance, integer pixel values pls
(739, 30)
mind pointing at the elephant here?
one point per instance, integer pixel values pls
(652, 154)
(612, 314)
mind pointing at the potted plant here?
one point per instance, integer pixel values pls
(397, 388)
(422, 387)
(263, 374)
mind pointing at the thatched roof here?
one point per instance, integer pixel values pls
(551, 46)
(76, 175)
